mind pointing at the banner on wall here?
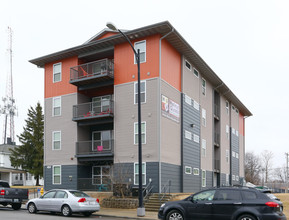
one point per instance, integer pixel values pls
(170, 109)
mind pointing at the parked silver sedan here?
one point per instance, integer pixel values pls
(64, 201)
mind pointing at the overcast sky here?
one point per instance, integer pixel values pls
(245, 42)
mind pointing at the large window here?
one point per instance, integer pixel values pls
(100, 175)
(102, 140)
(57, 72)
(141, 45)
(56, 140)
(136, 173)
(57, 174)
(143, 133)
(142, 92)
(101, 104)
(57, 106)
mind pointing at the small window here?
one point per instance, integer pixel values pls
(188, 100)
(142, 92)
(188, 135)
(57, 72)
(233, 154)
(227, 180)
(233, 177)
(203, 178)
(188, 170)
(227, 156)
(227, 107)
(57, 174)
(203, 86)
(204, 120)
(233, 130)
(204, 148)
(56, 140)
(237, 155)
(196, 105)
(188, 65)
(136, 173)
(233, 107)
(237, 178)
(237, 111)
(227, 132)
(143, 132)
(196, 72)
(141, 45)
(196, 138)
(196, 171)
(249, 195)
(56, 106)
(237, 133)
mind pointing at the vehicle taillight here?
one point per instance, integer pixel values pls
(2, 193)
(272, 204)
(82, 200)
(97, 200)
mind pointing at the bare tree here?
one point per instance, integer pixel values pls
(280, 174)
(252, 168)
(267, 157)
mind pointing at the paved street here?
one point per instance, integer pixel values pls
(9, 214)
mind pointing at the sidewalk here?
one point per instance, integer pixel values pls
(125, 213)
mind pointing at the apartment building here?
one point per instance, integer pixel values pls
(193, 126)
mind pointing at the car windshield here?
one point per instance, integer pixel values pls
(79, 194)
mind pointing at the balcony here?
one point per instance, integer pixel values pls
(95, 150)
(92, 75)
(217, 139)
(216, 112)
(217, 166)
(98, 112)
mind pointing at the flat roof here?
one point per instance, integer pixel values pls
(174, 38)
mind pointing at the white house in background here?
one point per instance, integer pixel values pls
(9, 173)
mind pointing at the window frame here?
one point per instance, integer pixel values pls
(53, 175)
(136, 93)
(188, 135)
(101, 175)
(196, 71)
(187, 62)
(204, 178)
(135, 181)
(136, 133)
(196, 171)
(145, 51)
(227, 105)
(188, 170)
(54, 72)
(204, 87)
(54, 107)
(204, 117)
(53, 141)
(204, 148)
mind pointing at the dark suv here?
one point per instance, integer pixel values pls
(223, 203)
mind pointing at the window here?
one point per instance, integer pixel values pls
(143, 133)
(233, 130)
(101, 104)
(100, 175)
(233, 154)
(237, 133)
(188, 170)
(233, 107)
(57, 174)
(196, 171)
(203, 178)
(136, 173)
(196, 138)
(233, 177)
(196, 105)
(237, 178)
(227, 156)
(49, 195)
(57, 72)
(196, 72)
(141, 45)
(61, 195)
(207, 195)
(203, 86)
(204, 121)
(188, 100)
(204, 148)
(188, 65)
(142, 92)
(237, 155)
(229, 195)
(101, 140)
(227, 180)
(227, 107)
(249, 195)
(188, 135)
(56, 106)
(56, 140)
(227, 132)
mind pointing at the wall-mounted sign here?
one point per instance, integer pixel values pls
(170, 109)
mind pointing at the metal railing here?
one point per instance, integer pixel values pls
(217, 138)
(93, 110)
(217, 164)
(94, 147)
(165, 190)
(147, 191)
(90, 184)
(217, 110)
(95, 69)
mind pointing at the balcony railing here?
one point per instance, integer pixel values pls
(216, 139)
(216, 111)
(93, 110)
(217, 165)
(98, 70)
(94, 148)
(92, 184)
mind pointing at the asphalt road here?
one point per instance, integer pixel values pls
(8, 213)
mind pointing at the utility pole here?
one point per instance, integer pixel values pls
(287, 184)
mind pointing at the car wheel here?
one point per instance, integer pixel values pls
(16, 206)
(66, 211)
(174, 215)
(247, 217)
(31, 208)
(87, 214)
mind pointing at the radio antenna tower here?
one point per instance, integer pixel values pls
(9, 108)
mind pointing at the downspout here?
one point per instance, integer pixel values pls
(160, 106)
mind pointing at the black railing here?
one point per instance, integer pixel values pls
(217, 165)
(217, 139)
(93, 110)
(94, 69)
(93, 184)
(216, 111)
(94, 147)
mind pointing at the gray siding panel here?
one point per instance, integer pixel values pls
(191, 150)
(235, 161)
(173, 173)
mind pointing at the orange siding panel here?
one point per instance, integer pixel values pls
(124, 67)
(241, 125)
(171, 65)
(63, 87)
(106, 35)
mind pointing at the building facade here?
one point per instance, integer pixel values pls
(192, 124)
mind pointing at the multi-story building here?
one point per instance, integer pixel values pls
(192, 123)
